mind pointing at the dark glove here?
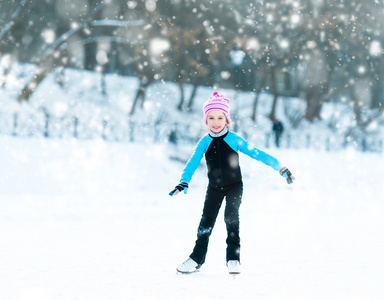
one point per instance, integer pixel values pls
(287, 175)
(182, 186)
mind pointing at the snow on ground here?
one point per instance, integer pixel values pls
(93, 220)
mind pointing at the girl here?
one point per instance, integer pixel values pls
(220, 147)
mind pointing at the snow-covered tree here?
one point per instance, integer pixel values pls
(318, 50)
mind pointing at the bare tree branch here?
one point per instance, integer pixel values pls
(65, 36)
(15, 16)
(45, 67)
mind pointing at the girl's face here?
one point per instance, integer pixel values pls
(216, 120)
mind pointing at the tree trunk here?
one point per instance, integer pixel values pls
(90, 50)
(193, 94)
(140, 95)
(255, 102)
(356, 108)
(256, 99)
(377, 99)
(274, 93)
(3, 80)
(310, 113)
(30, 87)
(315, 99)
(182, 98)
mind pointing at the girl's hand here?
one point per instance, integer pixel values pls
(287, 175)
(182, 186)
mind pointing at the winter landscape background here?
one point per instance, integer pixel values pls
(100, 108)
(90, 217)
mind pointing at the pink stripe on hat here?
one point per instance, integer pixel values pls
(216, 102)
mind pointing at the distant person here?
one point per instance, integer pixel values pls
(173, 137)
(221, 149)
(277, 129)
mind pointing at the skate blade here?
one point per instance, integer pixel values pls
(234, 274)
(187, 273)
(190, 272)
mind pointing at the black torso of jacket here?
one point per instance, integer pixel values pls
(222, 163)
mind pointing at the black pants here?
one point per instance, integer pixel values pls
(212, 204)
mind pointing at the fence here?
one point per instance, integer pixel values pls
(24, 124)
(42, 124)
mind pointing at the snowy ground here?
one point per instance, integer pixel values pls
(93, 220)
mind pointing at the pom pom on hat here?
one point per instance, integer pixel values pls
(216, 102)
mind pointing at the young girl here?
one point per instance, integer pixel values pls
(220, 147)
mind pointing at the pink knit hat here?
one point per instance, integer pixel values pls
(216, 102)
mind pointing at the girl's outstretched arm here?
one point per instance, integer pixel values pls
(238, 143)
(192, 165)
(194, 161)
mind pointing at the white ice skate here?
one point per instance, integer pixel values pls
(233, 267)
(189, 266)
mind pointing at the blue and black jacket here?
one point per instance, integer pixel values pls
(222, 157)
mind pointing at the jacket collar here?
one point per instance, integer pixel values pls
(219, 134)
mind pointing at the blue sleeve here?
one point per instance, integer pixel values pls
(194, 161)
(239, 144)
